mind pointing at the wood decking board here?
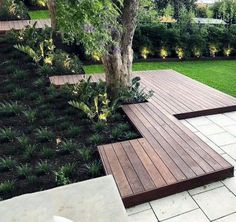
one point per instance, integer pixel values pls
(20, 24)
(169, 158)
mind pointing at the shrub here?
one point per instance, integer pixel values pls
(94, 168)
(74, 131)
(6, 187)
(47, 153)
(96, 139)
(44, 134)
(67, 146)
(19, 93)
(7, 163)
(10, 108)
(43, 167)
(23, 141)
(86, 154)
(29, 151)
(7, 134)
(24, 170)
(64, 173)
(30, 115)
(13, 10)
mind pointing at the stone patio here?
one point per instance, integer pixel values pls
(214, 202)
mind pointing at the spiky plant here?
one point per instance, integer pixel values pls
(43, 167)
(94, 168)
(86, 154)
(44, 134)
(10, 108)
(7, 163)
(7, 134)
(67, 146)
(24, 170)
(6, 187)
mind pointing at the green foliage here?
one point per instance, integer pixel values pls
(74, 131)
(44, 134)
(67, 146)
(19, 74)
(99, 126)
(135, 93)
(23, 141)
(96, 139)
(19, 93)
(88, 22)
(43, 167)
(85, 153)
(93, 100)
(6, 187)
(29, 151)
(13, 10)
(24, 170)
(30, 115)
(94, 168)
(47, 153)
(32, 179)
(7, 163)
(64, 173)
(10, 108)
(7, 134)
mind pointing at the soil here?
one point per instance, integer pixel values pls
(52, 112)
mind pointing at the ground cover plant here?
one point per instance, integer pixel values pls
(46, 142)
(39, 14)
(217, 74)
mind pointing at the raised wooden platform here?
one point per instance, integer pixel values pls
(20, 24)
(169, 158)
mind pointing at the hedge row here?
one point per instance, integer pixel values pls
(193, 41)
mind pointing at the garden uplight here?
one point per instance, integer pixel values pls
(180, 52)
(213, 50)
(96, 57)
(163, 53)
(227, 51)
(145, 52)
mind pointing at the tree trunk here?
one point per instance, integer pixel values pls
(1, 3)
(52, 9)
(119, 57)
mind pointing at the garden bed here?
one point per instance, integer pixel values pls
(44, 141)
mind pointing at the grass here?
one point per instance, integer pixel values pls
(217, 74)
(39, 14)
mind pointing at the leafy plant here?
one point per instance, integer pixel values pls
(99, 126)
(10, 108)
(94, 168)
(67, 146)
(29, 151)
(85, 153)
(7, 134)
(47, 153)
(6, 187)
(43, 167)
(44, 134)
(131, 135)
(23, 141)
(19, 74)
(39, 82)
(64, 173)
(24, 170)
(30, 115)
(74, 131)
(135, 94)
(93, 100)
(96, 139)
(19, 93)
(32, 179)
(7, 163)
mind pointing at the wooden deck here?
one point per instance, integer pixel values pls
(169, 158)
(20, 24)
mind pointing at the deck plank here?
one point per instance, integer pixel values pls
(169, 158)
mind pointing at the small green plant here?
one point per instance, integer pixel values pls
(131, 135)
(64, 173)
(135, 94)
(47, 153)
(24, 170)
(7, 134)
(43, 167)
(30, 115)
(19, 93)
(74, 131)
(44, 134)
(39, 82)
(117, 116)
(10, 108)
(6, 187)
(7, 163)
(23, 141)
(99, 126)
(123, 126)
(32, 179)
(29, 151)
(9, 87)
(67, 146)
(96, 139)
(19, 74)
(94, 168)
(117, 133)
(86, 154)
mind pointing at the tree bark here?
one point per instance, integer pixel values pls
(119, 57)
(52, 9)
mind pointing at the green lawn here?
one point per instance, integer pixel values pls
(218, 74)
(39, 14)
